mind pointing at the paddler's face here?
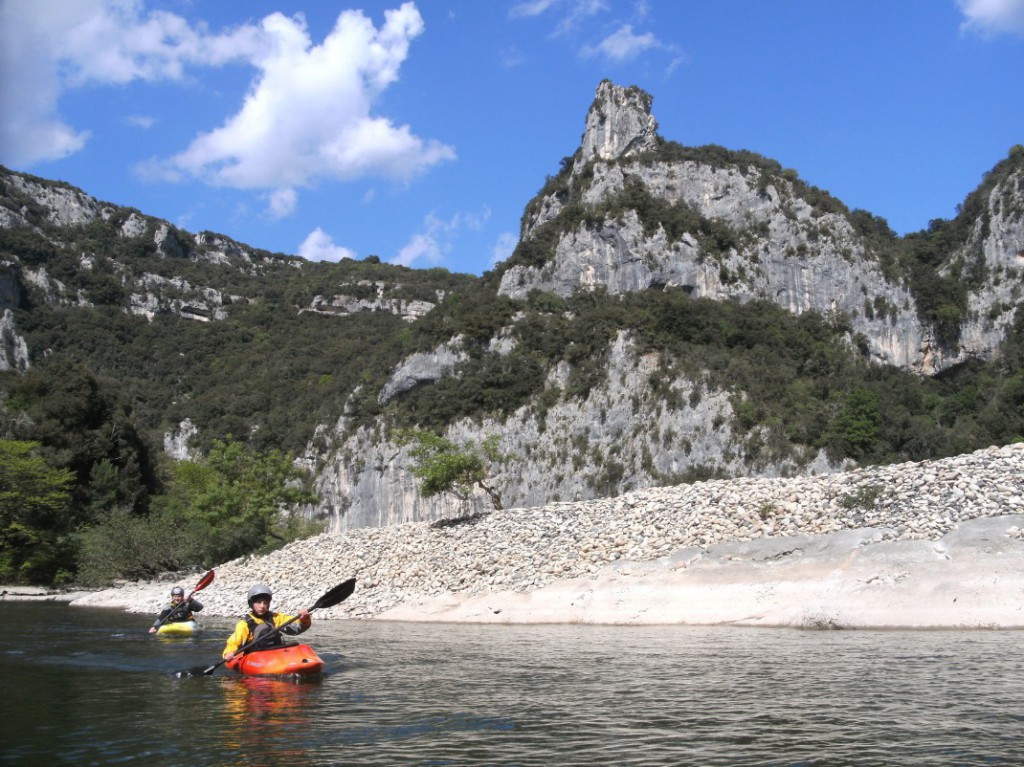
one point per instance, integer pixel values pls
(260, 605)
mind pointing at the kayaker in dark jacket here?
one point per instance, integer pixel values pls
(182, 610)
(261, 620)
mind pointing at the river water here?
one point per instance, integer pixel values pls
(91, 687)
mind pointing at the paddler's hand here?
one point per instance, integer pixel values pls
(228, 655)
(303, 614)
(152, 630)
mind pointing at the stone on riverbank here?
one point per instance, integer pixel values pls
(719, 545)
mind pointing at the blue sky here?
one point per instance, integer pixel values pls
(418, 131)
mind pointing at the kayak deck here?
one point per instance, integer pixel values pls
(287, 659)
(179, 628)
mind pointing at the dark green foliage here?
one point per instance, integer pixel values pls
(232, 502)
(122, 545)
(854, 430)
(82, 429)
(238, 495)
(35, 529)
(85, 426)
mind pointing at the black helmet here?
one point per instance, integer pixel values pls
(259, 590)
(177, 591)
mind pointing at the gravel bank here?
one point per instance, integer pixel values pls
(408, 571)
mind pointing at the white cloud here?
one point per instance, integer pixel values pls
(430, 244)
(530, 8)
(423, 246)
(503, 247)
(141, 121)
(992, 17)
(49, 46)
(474, 221)
(573, 12)
(578, 13)
(308, 115)
(511, 57)
(623, 45)
(319, 246)
(437, 237)
(281, 203)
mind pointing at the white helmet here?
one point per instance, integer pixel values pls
(259, 590)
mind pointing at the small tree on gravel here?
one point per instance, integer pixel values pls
(444, 467)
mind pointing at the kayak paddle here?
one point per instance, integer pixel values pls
(205, 581)
(337, 595)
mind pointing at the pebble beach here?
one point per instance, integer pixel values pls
(720, 551)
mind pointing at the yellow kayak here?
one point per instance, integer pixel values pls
(179, 629)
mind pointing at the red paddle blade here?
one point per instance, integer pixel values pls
(205, 581)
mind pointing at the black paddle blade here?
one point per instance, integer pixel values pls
(339, 593)
(189, 673)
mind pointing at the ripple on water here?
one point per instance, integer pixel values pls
(491, 695)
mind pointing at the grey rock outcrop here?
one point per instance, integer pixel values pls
(134, 226)
(162, 296)
(13, 349)
(64, 205)
(619, 124)
(422, 368)
(167, 244)
(784, 248)
(409, 310)
(618, 436)
(176, 442)
(996, 250)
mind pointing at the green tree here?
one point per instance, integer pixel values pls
(82, 423)
(241, 496)
(124, 545)
(35, 539)
(235, 501)
(445, 467)
(854, 431)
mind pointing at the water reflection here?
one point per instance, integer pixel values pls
(269, 715)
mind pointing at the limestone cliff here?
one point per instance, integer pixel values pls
(758, 233)
(992, 260)
(621, 435)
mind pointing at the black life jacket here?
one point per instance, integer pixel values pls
(183, 613)
(260, 628)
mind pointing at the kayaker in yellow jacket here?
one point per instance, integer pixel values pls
(181, 612)
(261, 620)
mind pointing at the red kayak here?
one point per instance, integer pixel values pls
(288, 659)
